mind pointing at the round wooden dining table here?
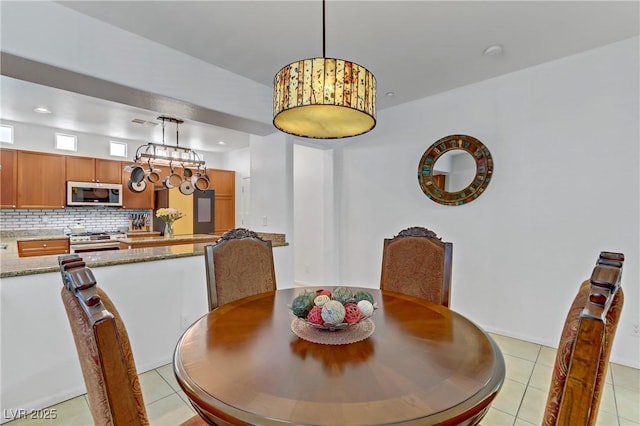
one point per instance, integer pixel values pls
(423, 364)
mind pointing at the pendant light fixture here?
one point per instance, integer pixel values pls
(152, 155)
(324, 98)
(167, 155)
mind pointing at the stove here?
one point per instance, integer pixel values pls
(86, 237)
(95, 241)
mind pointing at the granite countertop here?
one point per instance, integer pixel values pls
(176, 239)
(13, 266)
(42, 237)
(277, 240)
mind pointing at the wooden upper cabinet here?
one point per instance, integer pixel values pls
(108, 171)
(8, 178)
(224, 183)
(41, 180)
(132, 199)
(80, 169)
(86, 169)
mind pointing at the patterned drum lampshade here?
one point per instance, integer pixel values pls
(324, 98)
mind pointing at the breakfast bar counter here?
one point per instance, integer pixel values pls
(161, 248)
(13, 266)
(159, 241)
(159, 290)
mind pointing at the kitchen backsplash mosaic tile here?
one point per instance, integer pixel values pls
(93, 219)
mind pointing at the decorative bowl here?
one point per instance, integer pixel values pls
(334, 310)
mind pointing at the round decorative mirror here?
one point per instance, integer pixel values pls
(455, 170)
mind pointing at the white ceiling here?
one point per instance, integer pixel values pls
(414, 48)
(80, 113)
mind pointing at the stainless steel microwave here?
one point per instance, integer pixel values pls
(94, 194)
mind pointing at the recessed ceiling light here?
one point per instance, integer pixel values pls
(493, 50)
(390, 94)
(222, 143)
(42, 110)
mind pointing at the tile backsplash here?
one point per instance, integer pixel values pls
(93, 218)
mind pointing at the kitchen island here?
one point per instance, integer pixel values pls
(14, 266)
(159, 291)
(144, 249)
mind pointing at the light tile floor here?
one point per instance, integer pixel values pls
(521, 400)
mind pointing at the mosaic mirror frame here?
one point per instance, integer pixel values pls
(484, 170)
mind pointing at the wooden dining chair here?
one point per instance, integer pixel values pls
(585, 345)
(417, 262)
(238, 265)
(104, 350)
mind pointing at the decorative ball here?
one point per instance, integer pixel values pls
(352, 313)
(339, 309)
(363, 295)
(366, 308)
(315, 315)
(302, 304)
(321, 300)
(342, 294)
(333, 312)
(323, 291)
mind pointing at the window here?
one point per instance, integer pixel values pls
(117, 149)
(6, 133)
(66, 142)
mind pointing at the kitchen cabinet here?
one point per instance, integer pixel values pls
(224, 184)
(45, 247)
(132, 199)
(108, 171)
(40, 180)
(87, 169)
(8, 178)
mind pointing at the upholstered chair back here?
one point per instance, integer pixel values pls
(416, 262)
(238, 265)
(104, 351)
(585, 345)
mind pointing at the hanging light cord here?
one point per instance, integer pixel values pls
(163, 131)
(324, 25)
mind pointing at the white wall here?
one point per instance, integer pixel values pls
(33, 137)
(564, 137)
(313, 216)
(38, 356)
(240, 161)
(272, 196)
